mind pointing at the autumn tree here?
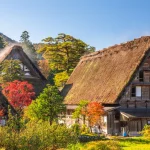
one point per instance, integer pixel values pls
(94, 111)
(47, 106)
(81, 110)
(19, 94)
(28, 46)
(2, 112)
(2, 42)
(10, 70)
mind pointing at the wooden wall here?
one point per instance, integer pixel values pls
(127, 101)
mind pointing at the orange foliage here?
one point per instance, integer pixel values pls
(93, 112)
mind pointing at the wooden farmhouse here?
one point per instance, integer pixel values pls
(119, 78)
(29, 69)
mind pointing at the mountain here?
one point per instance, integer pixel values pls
(7, 39)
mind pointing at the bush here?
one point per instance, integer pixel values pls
(88, 138)
(85, 129)
(146, 131)
(37, 135)
(76, 129)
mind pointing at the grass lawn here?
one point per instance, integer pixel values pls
(116, 143)
(136, 143)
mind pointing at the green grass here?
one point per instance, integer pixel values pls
(116, 143)
(136, 143)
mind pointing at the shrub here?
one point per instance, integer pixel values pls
(146, 131)
(76, 129)
(88, 138)
(37, 135)
(85, 129)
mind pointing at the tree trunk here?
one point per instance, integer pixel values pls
(84, 119)
(50, 122)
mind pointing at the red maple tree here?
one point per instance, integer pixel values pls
(93, 112)
(1, 112)
(19, 93)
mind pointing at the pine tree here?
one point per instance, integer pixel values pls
(28, 46)
(2, 42)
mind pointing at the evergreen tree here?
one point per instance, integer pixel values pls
(28, 46)
(63, 53)
(2, 42)
(10, 70)
(47, 106)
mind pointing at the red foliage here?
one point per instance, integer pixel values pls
(1, 112)
(19, 93)
(94, 111)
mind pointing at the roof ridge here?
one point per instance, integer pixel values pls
(113, 49)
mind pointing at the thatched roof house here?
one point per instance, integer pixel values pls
(31, 73)
(119, 78)
(103, 75)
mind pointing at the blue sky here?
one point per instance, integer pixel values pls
(99, 23)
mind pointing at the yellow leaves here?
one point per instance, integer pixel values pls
(61, 78)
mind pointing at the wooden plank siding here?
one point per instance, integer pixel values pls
(127, 101)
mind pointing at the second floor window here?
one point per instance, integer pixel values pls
(136, 91)
(141, 76)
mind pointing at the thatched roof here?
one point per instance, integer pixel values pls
(16, 52)
(103, 75)
(38, 80)
(4, 54)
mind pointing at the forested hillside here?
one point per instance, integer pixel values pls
(7, 39)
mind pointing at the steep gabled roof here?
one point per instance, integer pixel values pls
(103, 75)
(38, 83)
(4, 54)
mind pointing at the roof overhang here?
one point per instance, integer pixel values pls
(135, 113)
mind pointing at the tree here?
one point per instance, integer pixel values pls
(94, 111)
(19, 94)
(2, 42)
(10, 70)
(28, 46)
(24, 37)
(47, 106)
(44, 67)
(1, 112)
(64, 52)
(81, 110)
(61, 78)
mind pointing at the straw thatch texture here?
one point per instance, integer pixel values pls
(102, 76)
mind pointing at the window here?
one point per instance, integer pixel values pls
(26, 68)
(27, 74)
(105, 119)
(133, 91)
(136, 91)
(141, 76)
